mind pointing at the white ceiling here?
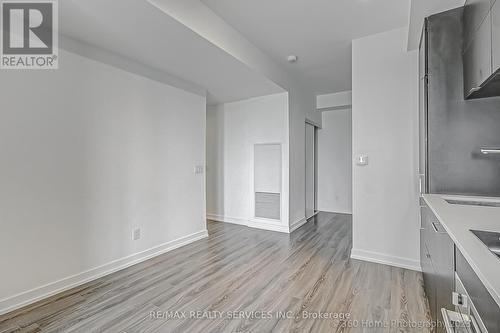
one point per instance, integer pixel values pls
(319, 32)
(141, 32)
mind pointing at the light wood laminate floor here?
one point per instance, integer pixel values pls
(236, 277)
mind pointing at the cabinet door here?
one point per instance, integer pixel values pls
(428, 274)
(437, 257)
(428, 271)
(477, 59)
(424, 259)
(444, 260)
(485, 305)
(475, 11)
(495, 23)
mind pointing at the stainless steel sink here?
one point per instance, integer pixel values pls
(473, 203)
(490, 239)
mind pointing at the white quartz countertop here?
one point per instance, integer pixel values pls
(458, 220)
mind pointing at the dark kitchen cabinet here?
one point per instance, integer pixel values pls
(475, 11)
(495, 35)
(437, 261)
(428, 274)
(477, 59)
(484, 304)
(481, 49)
(443, 259)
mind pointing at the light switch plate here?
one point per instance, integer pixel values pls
(362, 160)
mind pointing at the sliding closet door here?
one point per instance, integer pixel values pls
(310, 170)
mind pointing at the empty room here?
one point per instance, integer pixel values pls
(250, 166)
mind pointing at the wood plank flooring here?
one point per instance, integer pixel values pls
(242, 280)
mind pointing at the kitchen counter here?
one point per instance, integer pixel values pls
(458, 220)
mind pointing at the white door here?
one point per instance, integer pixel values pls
(310, 170)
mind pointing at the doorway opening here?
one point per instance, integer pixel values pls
(311, 148)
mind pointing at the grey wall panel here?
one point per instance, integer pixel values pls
(457, 128)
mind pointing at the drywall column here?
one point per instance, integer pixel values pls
(385, 127)
(302, 108)
(233, 130)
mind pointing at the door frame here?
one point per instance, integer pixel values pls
(315, 168)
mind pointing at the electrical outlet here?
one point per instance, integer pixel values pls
(136, 234)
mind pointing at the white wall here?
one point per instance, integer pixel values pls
(232, 131)
(302, 107)
(334, 192)
(334, 101)
(302, 104)
(87, 153)
(385, 126)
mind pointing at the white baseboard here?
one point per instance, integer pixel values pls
(270, 226)
(232, 220)
(385, 259)
(31, 296)
(255, 223)
(336, 212)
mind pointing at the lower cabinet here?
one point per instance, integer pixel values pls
(429, 275)
(486, 311)
(437, 261)
(447, 272)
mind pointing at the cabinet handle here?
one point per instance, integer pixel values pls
(434, 227)
(473, 90)
(487, 151)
